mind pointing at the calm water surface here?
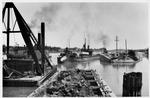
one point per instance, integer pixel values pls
(17, 91)
(112, 74)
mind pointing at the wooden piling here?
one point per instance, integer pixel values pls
(132, 84)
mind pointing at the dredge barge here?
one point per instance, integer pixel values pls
(74, 83)
(31, 71)
(18, 69)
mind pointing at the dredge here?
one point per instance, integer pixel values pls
(30, 72)
(24, 71)
(74, 83)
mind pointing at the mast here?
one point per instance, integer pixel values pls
(126, 46)
(88, 46)
(116, 44)
(84, 45)
(69, 42)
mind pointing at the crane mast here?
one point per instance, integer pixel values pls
(26, 33)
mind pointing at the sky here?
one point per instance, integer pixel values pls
(99, 23)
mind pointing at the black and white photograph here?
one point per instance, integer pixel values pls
(75, 49)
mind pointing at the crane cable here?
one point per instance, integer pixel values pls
(5, 25)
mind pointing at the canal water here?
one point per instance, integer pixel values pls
(112, 74)
(17, 91)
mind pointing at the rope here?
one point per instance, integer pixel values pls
(14, 25)
(5, 25)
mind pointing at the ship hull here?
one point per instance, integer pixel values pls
(105, 59)
(79, 59)
(87, 58)
(125, 62)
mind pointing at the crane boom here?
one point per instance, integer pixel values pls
(27, 35)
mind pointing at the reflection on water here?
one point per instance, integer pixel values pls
(113, 73)
(17, 91)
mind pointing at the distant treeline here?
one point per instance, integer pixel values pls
(49, 48)
(11, 48)
(59, 49)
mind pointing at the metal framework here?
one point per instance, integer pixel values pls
(26, 33)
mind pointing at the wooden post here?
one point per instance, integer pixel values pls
(132, 84)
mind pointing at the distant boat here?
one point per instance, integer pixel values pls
(127, 61)
(65, 55)
(124, 56)
(85, 54)
(105, 56)
(87, 58)
(128, 56)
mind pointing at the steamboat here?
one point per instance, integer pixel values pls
(85, 54)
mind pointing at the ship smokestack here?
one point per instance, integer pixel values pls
(43, 43)
(88, 47)
(84, 46)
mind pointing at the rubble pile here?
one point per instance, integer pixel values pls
(72, 83)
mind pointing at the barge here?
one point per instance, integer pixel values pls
(74, 83)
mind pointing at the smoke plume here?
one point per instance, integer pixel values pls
(101, 39)
(46, 14)
(67, 20)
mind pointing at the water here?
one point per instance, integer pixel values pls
(17, 91)
(112, 74)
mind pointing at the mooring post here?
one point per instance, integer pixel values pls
(138, 83)
(132, 84)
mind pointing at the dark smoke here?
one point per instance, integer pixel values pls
(46, 14)
(70, 19)
(102, 38)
